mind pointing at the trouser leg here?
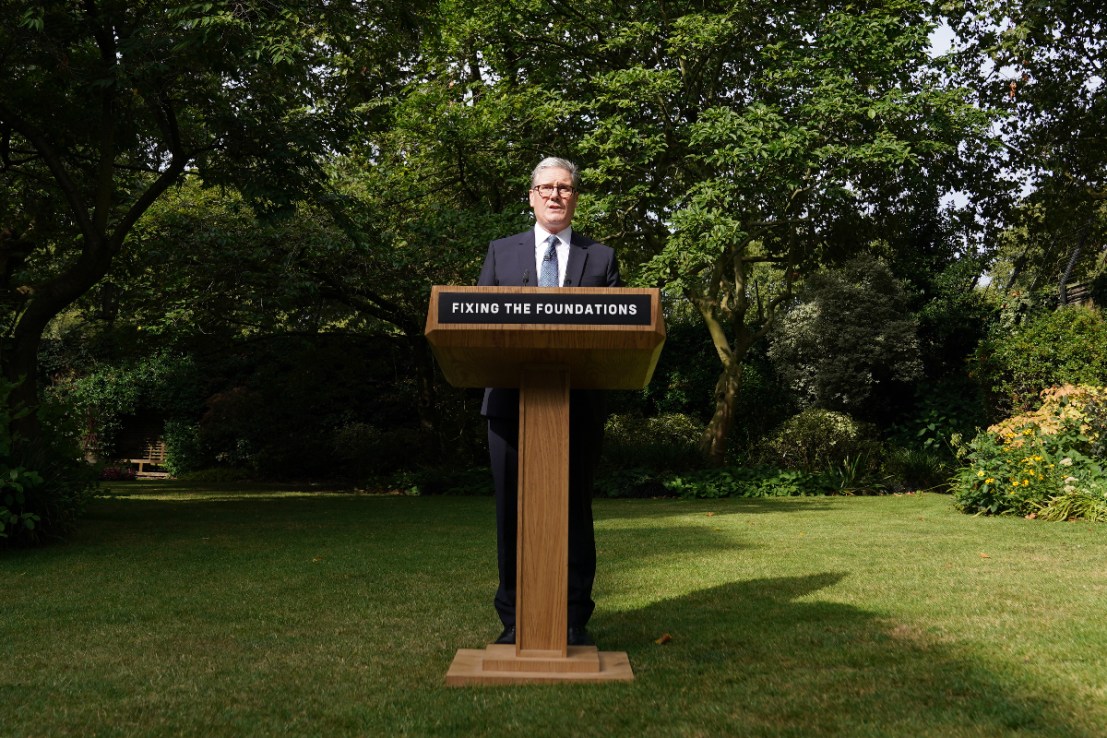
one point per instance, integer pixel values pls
(585, 438)
(503, 450)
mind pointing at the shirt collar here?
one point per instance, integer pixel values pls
(541, 234)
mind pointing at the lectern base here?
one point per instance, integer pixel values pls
(498, 664)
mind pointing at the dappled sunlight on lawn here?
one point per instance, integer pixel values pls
(173, 491)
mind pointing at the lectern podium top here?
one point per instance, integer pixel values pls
(608, 337)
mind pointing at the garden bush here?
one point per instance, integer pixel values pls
(44, 482)
(944, 412)
(685, 375)
(669, 441)
(917, 468)
(750, 481)
(312, 407)
(849, 340)
(117, 473)
(185, 451)
(920, 451)
(1065, 346)
(818, 440)
(1043, 463)
(362, 450)
(105, 395)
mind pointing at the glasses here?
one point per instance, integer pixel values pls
(546, 191)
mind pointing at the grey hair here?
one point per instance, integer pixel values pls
(554, 162)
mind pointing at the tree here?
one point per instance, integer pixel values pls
(106, 105)
(758, 142)
(1043, 63)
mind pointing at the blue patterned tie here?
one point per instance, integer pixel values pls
(547, 276)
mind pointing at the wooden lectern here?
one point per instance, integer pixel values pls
(543, 341)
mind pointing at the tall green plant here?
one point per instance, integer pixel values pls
(103, 396)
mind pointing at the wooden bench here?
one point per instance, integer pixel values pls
(152, 465)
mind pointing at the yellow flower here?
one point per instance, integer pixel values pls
(980, 474)
(1025, 482)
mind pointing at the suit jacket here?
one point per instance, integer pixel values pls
(510, 263)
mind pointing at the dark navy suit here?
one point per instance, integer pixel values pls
(511, 262)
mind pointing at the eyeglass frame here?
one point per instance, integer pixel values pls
(562, 190)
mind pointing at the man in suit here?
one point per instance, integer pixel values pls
(549, 252)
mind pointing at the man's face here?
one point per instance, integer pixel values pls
(554, 213)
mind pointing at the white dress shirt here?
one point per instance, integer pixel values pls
(540, 246)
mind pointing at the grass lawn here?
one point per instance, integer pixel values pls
(264, 613)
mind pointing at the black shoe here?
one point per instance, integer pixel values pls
(580, 637)
(507, 638)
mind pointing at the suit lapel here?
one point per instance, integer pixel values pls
(578, 255)
(524, 265)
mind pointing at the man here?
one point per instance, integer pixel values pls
(550, 254)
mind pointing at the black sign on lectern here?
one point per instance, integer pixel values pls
(563, 309)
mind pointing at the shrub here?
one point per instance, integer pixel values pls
(436, 480)
(918, 468)
(762, 405)
(1042, 463)
(921, 450)
(114, 473)
(634, 482)
(363, 450)
(105, 395)
(848, 339)
(669, 441)
(686, 372)
(753, 481)
(953, 319)
(184, 448)
(311, 407)
(818, 440)
(945, 412)
(1066, 346)
(15, 519)
(44, 482)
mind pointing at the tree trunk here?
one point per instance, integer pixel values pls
(713, 443)
(19, 363)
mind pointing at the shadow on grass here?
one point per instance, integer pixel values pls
(664, 507)
(767, 657)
